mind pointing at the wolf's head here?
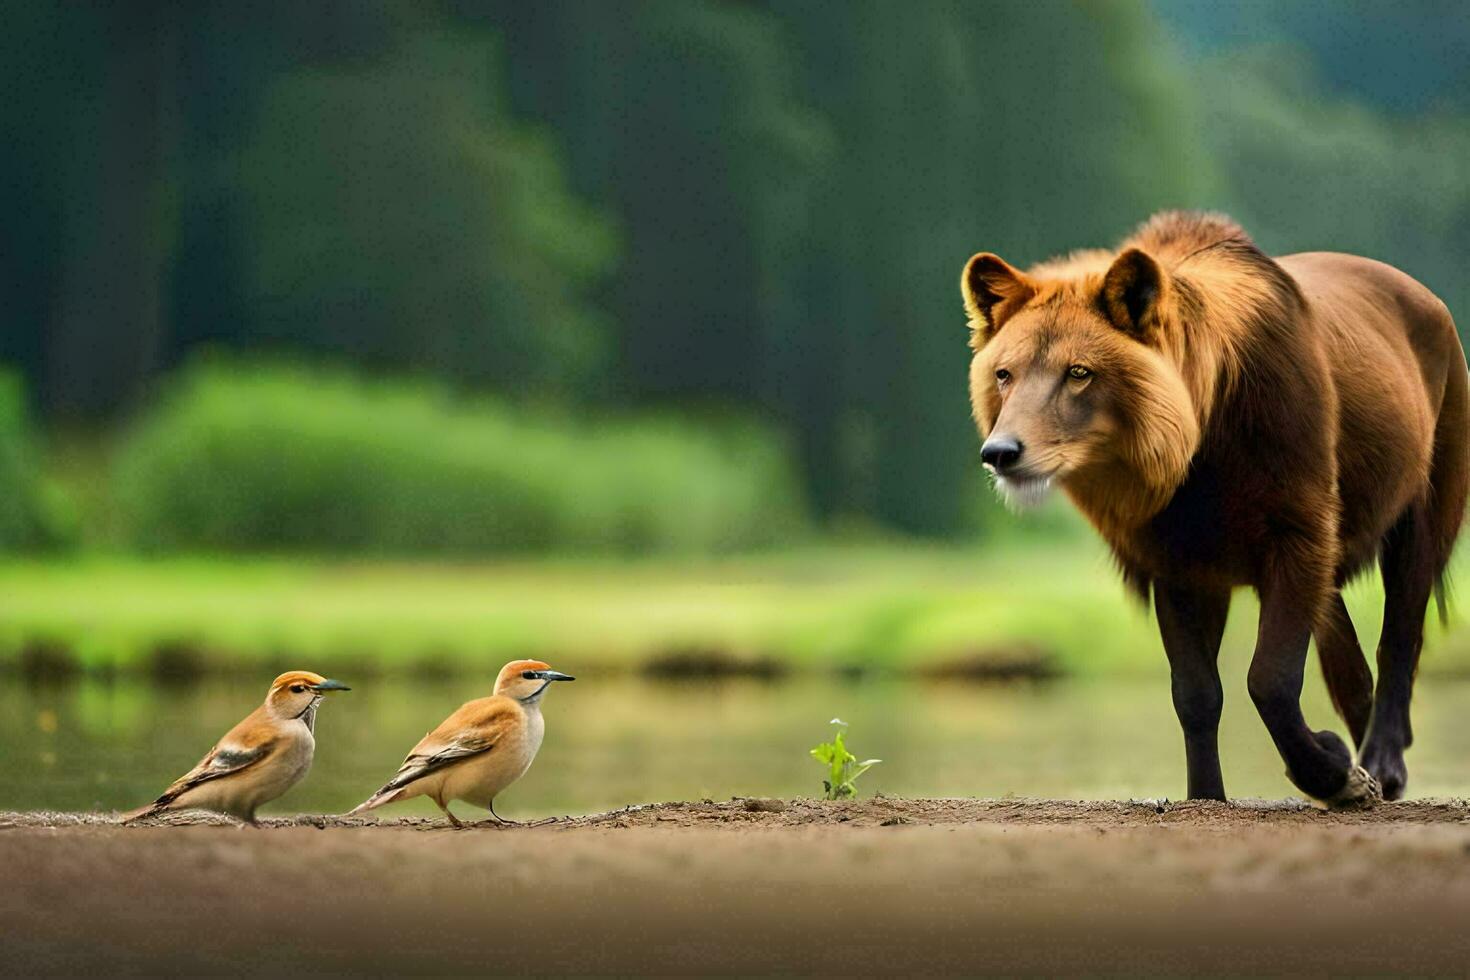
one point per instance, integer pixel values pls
(1075, 381)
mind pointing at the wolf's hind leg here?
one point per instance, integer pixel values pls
(1344, 668)
(1409, 566)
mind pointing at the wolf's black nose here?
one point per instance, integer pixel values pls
(1000, 453)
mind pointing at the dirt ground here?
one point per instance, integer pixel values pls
(884, 885)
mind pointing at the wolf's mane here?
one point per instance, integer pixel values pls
(1223, 290)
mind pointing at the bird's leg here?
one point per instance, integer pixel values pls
(499, 819)
(452, 818)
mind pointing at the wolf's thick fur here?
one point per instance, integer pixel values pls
(1230, 419)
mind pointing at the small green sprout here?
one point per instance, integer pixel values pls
(843, 767)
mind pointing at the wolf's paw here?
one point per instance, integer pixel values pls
(1360, 792)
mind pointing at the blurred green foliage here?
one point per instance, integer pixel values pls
(756, 208)
(17, 468)
(288, 459)
(34, 511)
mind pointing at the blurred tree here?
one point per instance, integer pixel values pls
(1407, 56)
(230, 57)
(684, 117)
(687, 118)
(45, 51)
(400, 216)
(92, 121)
(1308, 171)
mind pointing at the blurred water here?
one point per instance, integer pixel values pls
(617, 739)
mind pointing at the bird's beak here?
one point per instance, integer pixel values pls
(327, 686)
(554, 675)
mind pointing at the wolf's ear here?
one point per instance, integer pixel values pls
(993, 291)
(1133, 294)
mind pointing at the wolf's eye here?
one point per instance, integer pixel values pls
(1002, 375)
(1078, 373)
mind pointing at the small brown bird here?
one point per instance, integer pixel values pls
(262, 757)
(480, 749)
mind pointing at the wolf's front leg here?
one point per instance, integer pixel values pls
(1191, 623)
(1319, 763)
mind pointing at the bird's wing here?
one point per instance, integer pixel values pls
(472, 730)
(248, 744)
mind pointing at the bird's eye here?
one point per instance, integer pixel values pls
(1078, 373)
(1002, 375)
(529, 675)
(297, 688)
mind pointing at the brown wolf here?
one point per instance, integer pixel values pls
(1224, 418)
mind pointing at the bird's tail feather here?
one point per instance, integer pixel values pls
(143, 811)
(378, 799)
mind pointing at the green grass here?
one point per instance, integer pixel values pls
(887, 608)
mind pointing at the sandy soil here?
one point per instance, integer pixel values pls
(896, 886)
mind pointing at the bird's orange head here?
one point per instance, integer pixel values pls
(297, 691)
(527, 680)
